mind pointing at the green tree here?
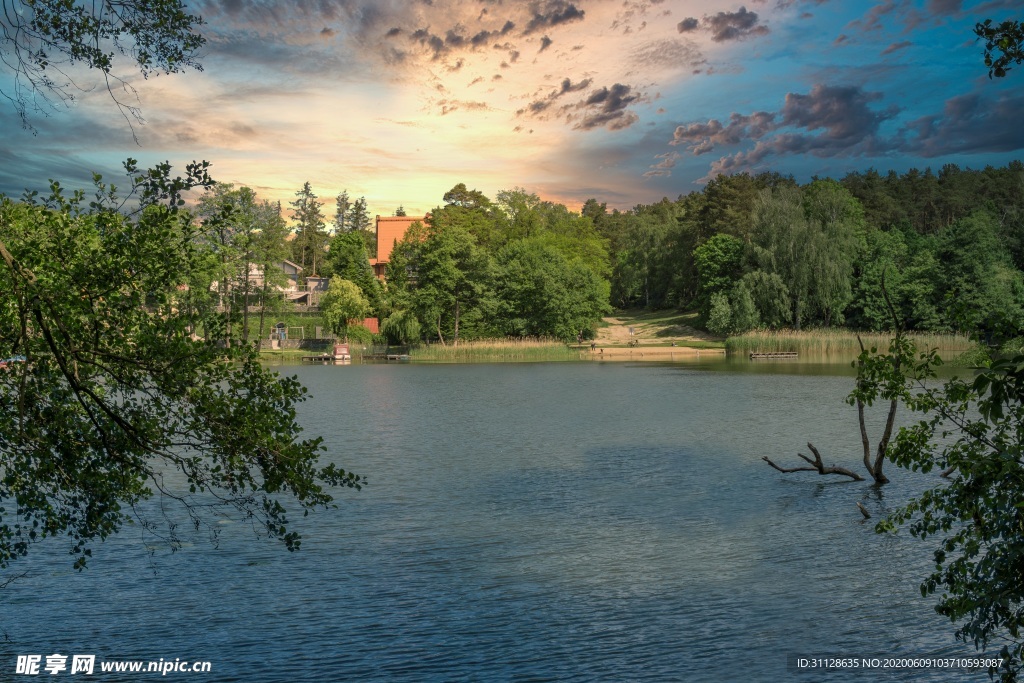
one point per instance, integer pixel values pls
(43, 38)
(234, 219)
(451, 281)
(907, 265)
(118, 398)
(401, 327)
(466, 198)
(349, 261)
(400, 211)
(719, 263)
(342, 210)
(342, 302)
(719, 314)
(809, 240)
(310, 236)
(971, 431)
(270, 248)
(541, 293)
(359, 216)
(1007, 39)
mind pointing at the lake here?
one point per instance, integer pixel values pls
(528, 522)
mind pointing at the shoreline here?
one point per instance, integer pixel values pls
(660, 353)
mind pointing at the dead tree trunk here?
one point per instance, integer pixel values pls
(816, 465)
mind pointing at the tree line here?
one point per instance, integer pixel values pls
(764, 251)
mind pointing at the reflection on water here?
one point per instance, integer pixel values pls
(563, 521)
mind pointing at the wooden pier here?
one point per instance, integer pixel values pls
(390, 357)
(773, 355)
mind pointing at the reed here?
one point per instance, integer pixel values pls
(836, 342)
(500, 350)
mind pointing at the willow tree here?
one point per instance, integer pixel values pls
(809, 239)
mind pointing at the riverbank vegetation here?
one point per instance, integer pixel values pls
(483, 350)
(747, 252)
(834, 341)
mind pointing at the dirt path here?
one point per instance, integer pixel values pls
(659, 329)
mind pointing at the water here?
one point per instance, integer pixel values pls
(566, 521)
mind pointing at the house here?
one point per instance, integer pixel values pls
(390, 229)
(305, 294)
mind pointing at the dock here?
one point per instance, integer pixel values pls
(326, 358)
(773, 355)
(392, 357)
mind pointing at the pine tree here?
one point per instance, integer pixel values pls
(310, 236)
(341, 213)
(359, 216)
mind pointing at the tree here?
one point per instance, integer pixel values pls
(310, 236)
(809, 239)
(1006, 38)
(401, 327)
(343, 207)
(400, 211)
(118, 399)
(359, 216)
(234, 220)
(541, 293)
(719, 263)
(452, 276)
(43, 38)
(269, 249)
(892, 377)
(467, 199)
(343, 301)
(972, 429)
(349, 261)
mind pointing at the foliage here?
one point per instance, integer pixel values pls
(343, 301)
(491, 350)
(719, 263)
(310, 236)
(401, 327)
(973, 430)
(349, 261)
(341, 212)
(45, 37)
(720, 315)
(117, 398)
(540, 293)
(837, 341)
(1006, 38)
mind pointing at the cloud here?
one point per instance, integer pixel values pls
(895, 47)
(968, 124)
(669, 54)
(828, 121)
(552, 13)
(607, 108)
(541, 105)
(663, 168)
(688, 24)
(449, 106)
(725, 26)
(872, 20)
(545, 43)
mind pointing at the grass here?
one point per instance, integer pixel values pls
(484, 350)
(834, 341)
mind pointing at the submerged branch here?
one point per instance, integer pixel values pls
(816, 465)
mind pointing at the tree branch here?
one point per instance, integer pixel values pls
(816, 465)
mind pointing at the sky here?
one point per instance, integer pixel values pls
(625, 101)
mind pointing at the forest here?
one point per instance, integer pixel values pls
(746, 251)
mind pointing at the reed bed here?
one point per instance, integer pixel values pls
(484, 350)
(837, 342)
